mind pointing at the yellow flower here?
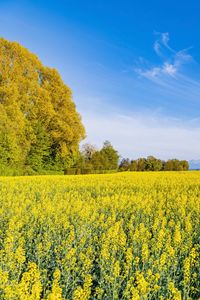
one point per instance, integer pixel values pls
(186, 269)
(56, 292)
(145, 252)
(142, 284)
(128, 235)
(175, 292)
(83, 293)
(116, 269)
(30, 286)
(177, 235)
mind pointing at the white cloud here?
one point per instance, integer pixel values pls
(165, 38)
(162, 42)
(156, 72)
(182, 57)
(157, 48)
(149, 73)
(171, 60)
(169, 69)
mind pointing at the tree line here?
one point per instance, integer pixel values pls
(107, 159)
(92, 160)
(153, 164)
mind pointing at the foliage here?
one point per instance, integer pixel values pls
(125, 164)
(109, 156)
(88, 151)
(153, 164)
(115, 236)
(176, 165)
(39, 125)
(106, 158)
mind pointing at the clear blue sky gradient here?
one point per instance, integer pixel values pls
(132, 65)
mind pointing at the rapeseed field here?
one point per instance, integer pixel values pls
(114, 236)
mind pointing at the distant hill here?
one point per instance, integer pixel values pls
(194, 164)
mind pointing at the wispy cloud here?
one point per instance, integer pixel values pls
(171, 60)
(162, 41)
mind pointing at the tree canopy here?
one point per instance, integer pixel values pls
(39, 124)
(91, 159)
(152, 163)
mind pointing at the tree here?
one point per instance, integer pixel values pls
(125, 164)
(141, 164)
(133, 165)
(185, 165)
(88, 150)
(176, 165)
(110, 156)
(169, 165)
(97, 161)
(44, 126)
(39, 156)
(153, 164)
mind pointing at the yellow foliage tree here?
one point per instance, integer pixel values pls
(43, 126)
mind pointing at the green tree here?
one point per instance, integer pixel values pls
(110, 156)
(185, 165)
(125, 164)
(133, 165)
(141, 164)
(153, 164)
(176, 165)
(39, 156)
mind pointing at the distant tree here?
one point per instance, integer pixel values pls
(181, 165)
(88, 150)
(169, 165)
(176, 165)
(158, 165)
(133, 165)
(125, 164)
(163, 165)
(141, 164)
(153, 164)
(110, 156)
(97, 161)
(185, 165)
(105, 159)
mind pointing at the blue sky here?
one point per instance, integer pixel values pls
(133, 67)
